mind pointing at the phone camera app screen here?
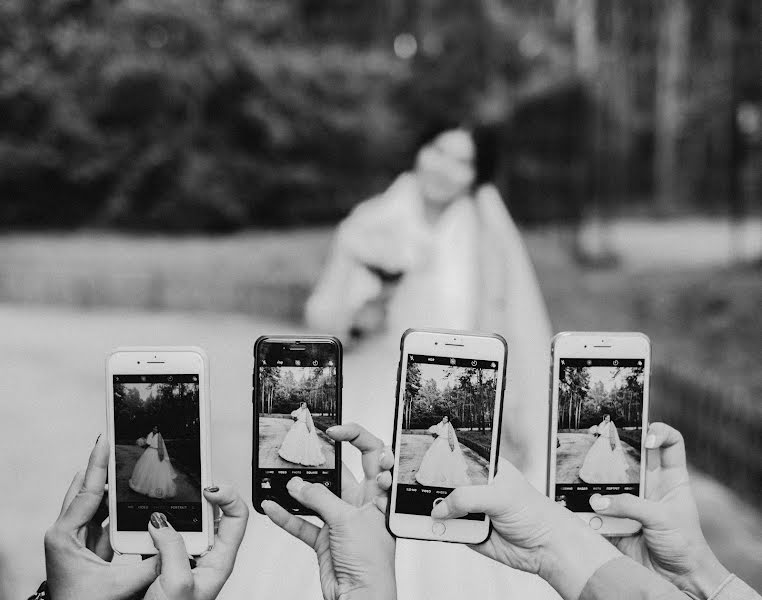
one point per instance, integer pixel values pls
(297, 401)
(446, 435)
(158, 450)
(600, 419)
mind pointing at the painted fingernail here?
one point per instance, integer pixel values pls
(158, 520)
(333, 427)
(651, 441)
(98, 438)
(212, 489)
(295, 484)
(440, 510)
(599, 502)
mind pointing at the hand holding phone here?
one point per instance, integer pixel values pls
(296, 397)
(530, 532)
(447, 429)
(354, 549)
(158, 417)
(671, 542)
(599, 414)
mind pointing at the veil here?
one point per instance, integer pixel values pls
(310, 422)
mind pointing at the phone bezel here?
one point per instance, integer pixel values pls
(293, 339)
(176, 360)
(622, 345)
(477, 346)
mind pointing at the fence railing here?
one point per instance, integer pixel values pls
(721, 424)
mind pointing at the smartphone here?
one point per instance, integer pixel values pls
(450, 388)
(158, 427)
(599, 418)
(297, 396)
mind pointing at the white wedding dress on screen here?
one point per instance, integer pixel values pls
(301, 444)
(603, 464)
(443, 464)
(151, 475)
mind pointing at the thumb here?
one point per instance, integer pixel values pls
(317, 497)
(176, 578)
(648, 513)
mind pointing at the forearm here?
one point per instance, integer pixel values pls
(573, 556)
(624, 579)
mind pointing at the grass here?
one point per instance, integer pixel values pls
(707, 318)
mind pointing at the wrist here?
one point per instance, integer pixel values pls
(573, 555)
(376, 589)
(706, 577)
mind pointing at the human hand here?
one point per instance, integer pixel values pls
(176, 580)
(671, 542)
(78, 549)
(530, 532)
(355, 551)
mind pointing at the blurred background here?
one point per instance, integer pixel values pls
(171, 171)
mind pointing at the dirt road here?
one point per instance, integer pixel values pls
(571, 454)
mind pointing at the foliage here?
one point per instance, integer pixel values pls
(467, 397)
(582, 405)
(174, 408)
(281, 392)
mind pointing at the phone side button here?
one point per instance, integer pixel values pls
(596, 523)
(438, 528)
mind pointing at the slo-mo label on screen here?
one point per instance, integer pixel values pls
(446, 435)
(599, 429)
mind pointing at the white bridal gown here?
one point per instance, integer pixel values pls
(151, 476)
(602, 464)
(301, 444)
(443, 466)
(442, 289)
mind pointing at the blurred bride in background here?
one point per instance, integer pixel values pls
(439, 249)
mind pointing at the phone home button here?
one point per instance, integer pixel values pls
(596, 522)
(438, 528)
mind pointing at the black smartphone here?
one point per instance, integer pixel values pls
(296, 396)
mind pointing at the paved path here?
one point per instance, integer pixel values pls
(571, 454)
(127, 456)
(272, 430)
(53, 408)
(414, 446)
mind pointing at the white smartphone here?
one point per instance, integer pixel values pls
(599, 418)
(158, 428)
(447, 429)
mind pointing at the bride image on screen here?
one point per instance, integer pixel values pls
(301, 444)
(443, 465)
(605, 461)
(153, 474)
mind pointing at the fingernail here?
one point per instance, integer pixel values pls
(332, 427)
(440, 510)
(158, 520)
(599, 502)
(651, 441)
(381, 456)
(212, 489)
(295, 484)
(98, 438)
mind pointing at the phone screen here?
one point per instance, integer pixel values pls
(599, 429)
(296, 399)
(158, 450)
(448, 413)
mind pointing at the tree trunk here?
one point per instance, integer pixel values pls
(671, 69)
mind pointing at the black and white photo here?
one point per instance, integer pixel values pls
(447, 425)
(296, 406)
(157, 449)
(599, 424)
